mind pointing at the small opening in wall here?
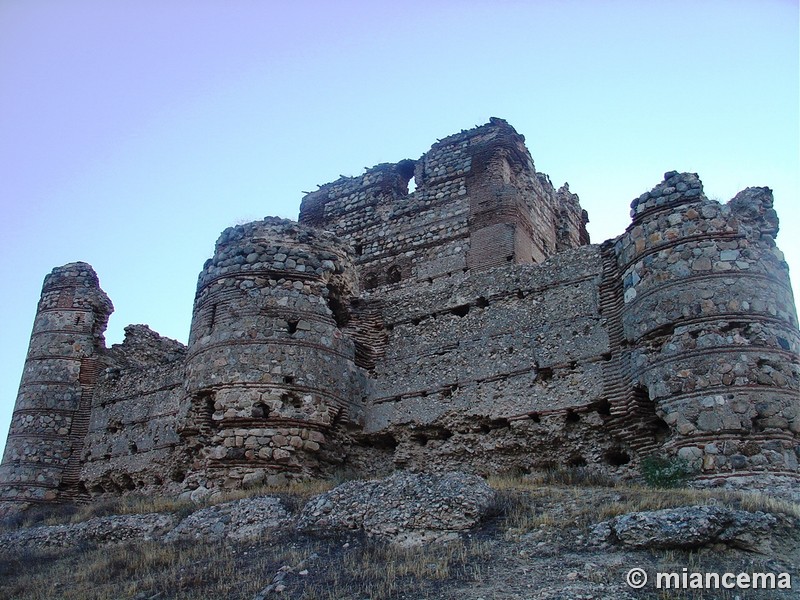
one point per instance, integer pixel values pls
(617, 457)
(133, 447)
(460, 311)
(212, 317)
(208, 406)
(509, 258)
(260, 411)
(78, 319)
(660, 429)
(481, 302)
(520, 294)
(535, 417)
(288, 379)
(359, 248)
(393, 275)
(291, 325)
(370, 281)
(544, 374)
(382, 442)
(338, 306)
(420, 438)
(572, 417)
(412, 185)
(292, 400)
(449, 391)
(604, 408)
(576, 461)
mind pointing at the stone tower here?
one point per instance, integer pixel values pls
(710, 314)
(42, 458)
(269, 372)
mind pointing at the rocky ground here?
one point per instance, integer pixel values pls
(412, 537)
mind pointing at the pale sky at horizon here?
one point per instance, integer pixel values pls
(133, 133)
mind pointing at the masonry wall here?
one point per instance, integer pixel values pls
(132, 443)
(709, 308)
(42, 457)
(269, 372)
(478, 203)
(497, 371)
(467, 325)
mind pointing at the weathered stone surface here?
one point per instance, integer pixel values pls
(467, 325)
(245, 519)
(407, 508)
(693, 527)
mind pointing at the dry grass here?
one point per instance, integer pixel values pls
(527, 504)
(357, 569)
(295, 494)
(346, 566)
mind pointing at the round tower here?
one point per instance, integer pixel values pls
(269, 372)
(51, 415)
(709, 313)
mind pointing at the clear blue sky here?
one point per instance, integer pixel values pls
(133, 132)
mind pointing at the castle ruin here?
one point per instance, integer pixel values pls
(467, 325)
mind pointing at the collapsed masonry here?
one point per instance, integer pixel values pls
(467, 325)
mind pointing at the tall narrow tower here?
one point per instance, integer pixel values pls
(51, 415)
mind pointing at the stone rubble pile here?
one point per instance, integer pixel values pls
(406, 508)
(101, 530)
(246, 519)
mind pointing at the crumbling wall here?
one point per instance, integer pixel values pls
(496, 371)
(42, 455)
(709, 308)
(478, 203)
(269, 372)
(465, 325)
(132, 443)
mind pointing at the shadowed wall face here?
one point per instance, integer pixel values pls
(269, 372)
(467, 325)
(709, 307)
(43, 452)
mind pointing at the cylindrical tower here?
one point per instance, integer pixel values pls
(269, 371)
(710, 316)
(51, 416)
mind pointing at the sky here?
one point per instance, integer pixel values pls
(133, 132)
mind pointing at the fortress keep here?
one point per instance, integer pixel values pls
(467, 325)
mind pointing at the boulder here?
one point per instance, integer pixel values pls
(692, 527)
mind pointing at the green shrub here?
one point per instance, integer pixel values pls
(659, 471)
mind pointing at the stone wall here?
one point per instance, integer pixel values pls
(709, 308)
(42, 455)
(269, 371)
(467, 325)
(478, 203)
(496, 370)
(132, 442)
